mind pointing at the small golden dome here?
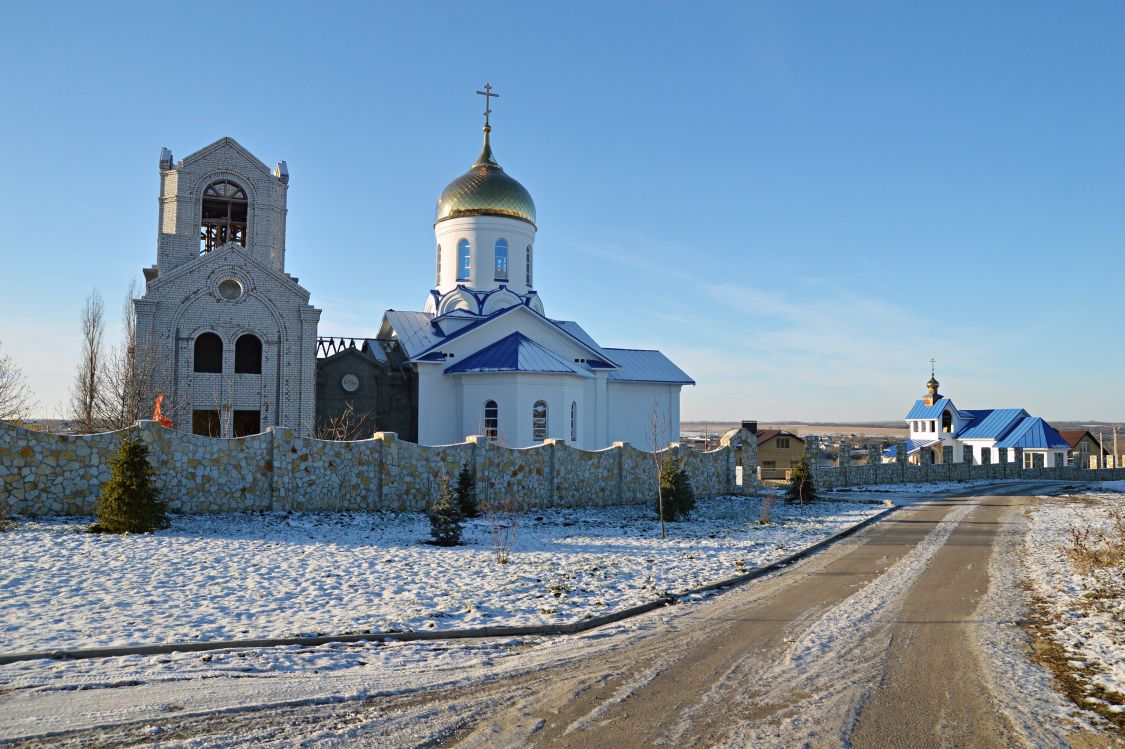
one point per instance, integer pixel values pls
(932, 385)
(485, 190)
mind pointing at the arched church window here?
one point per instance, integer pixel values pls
(539, 421)
(438, 273)
(491, 420)
(501, 261)
(208, 353)
(224, 215)
(529, 266)
(248, 354)
(947, 421)
(464, 260)
(573, 421)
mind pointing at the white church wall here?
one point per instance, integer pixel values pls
(482, 233)
(631, 411)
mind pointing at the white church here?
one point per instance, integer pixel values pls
(239, 345)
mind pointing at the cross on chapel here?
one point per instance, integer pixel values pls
(487, 94)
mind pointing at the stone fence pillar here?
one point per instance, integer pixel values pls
(619, 449)
(389, 492)
(873, 455)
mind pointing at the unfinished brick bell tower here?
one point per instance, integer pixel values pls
(230, 335)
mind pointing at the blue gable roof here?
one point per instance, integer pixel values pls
(992, 424)
(922, 411)
(1032, 433)
(515, 353)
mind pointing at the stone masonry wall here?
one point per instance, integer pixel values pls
(279, 470)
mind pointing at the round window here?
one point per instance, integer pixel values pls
(230, 289)
(350, 382)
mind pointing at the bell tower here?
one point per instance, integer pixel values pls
(932, 395)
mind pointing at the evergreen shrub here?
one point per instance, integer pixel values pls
(467, 493)
(130, 500)
(801, 486)
(444, 513)
(675, 487)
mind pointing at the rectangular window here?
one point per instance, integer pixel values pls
(205, 423)
(529, 266)
(769, 464)
(437, 275)
(247, 423)
(782, 443)
(539, 421)
(501, 261)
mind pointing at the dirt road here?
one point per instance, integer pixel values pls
(892, 638)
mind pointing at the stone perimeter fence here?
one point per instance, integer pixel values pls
(57, 474)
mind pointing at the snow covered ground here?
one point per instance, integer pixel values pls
(218, 577)
(1089, 627)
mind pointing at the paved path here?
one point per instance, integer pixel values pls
(873, 643)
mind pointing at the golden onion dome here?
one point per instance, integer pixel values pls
(485, 190)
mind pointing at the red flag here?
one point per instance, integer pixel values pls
(157, 416)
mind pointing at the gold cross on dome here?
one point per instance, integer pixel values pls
(487, 94)
(933, 361)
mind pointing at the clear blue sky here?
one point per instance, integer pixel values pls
(800, 203)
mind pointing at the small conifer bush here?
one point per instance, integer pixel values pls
(130, 501)
(679, 498)
(467, 493)
(801, 487)
(444, 513)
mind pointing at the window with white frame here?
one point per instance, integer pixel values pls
(529, 266)
(464, 260)
(491, 420)
(501, 260)
(539, 421)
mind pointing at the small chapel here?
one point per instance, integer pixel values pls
(237, 348)
(940, 432)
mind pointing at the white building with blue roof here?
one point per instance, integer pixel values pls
(953, 435)
(487, 359)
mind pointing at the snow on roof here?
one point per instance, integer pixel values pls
(515, 353)
(645, 366)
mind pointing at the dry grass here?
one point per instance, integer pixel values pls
(1099, 553)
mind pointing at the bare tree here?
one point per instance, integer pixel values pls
(659, 425)
(15, 395)
(347, 426)
(127, 394)
(86, 394)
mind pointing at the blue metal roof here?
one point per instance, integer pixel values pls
(912, 446)
(991, 424)
(922, 411)
(515, 353)
(415, 330)
(645, 366)
(1032, 433)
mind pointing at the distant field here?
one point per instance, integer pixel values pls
(799, 429)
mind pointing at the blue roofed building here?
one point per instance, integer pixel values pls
(483, 357)
(982, 436)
